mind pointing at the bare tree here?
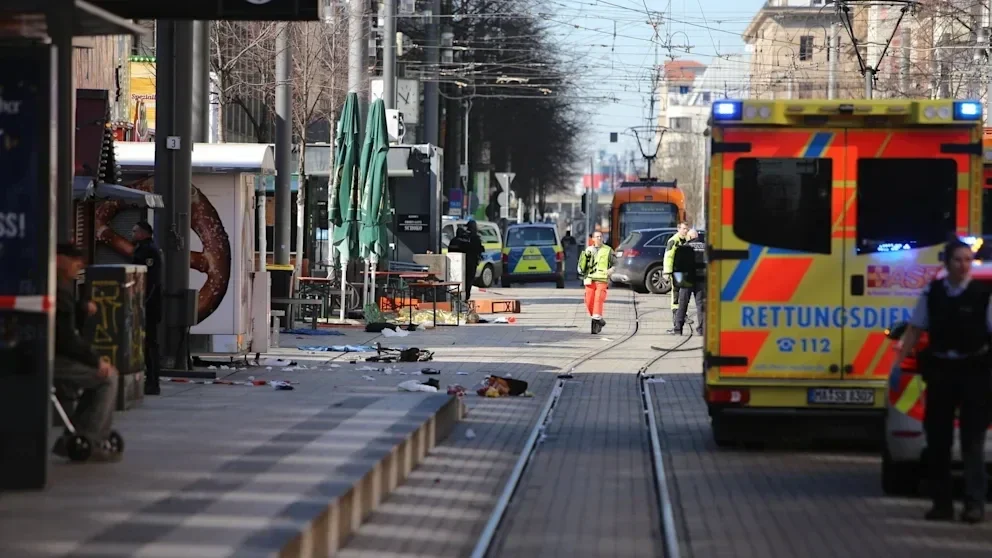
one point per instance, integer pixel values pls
(315, 75)
(685, 162)
(242, 71)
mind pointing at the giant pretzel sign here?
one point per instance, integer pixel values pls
(215, 259)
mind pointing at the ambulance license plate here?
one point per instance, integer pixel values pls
(533, 257)
(831, 396)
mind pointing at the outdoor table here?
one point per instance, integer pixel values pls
(434, 286)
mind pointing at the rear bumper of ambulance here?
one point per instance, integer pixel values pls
(790, 400)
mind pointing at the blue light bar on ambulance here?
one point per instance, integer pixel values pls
(727, 110)
(967, 110)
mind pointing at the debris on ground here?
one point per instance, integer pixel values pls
(505, 320)
(311, 331)
(430, 371)
(338, 348)
(395, 332)
(272, 361)
(414, 385)
(470, 434)
(457, 390)
(496, 386)
(367, 377)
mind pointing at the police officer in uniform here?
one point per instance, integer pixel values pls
(690, 280)
(956, 313)
(147, 253)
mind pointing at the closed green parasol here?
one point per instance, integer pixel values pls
(375, 213)
(345, 189)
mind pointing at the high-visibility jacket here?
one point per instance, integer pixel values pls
(669, 259)
(594, 263)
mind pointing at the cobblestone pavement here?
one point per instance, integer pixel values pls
(789, 502)
(443, 508)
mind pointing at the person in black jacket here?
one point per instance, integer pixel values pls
(468, 242)
(147, 253)
(956, 314)
(77, 365)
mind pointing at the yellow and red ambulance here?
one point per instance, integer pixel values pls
(825, 220)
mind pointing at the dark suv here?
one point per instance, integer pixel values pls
(640, 258)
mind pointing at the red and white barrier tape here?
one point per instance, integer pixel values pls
(253, 383)
(36, 304)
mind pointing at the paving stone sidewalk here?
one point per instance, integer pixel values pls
(788, 502)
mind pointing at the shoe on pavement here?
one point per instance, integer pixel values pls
(699, 331)
(673, 331)
(973, 514)
(940, 513)
(153, 389)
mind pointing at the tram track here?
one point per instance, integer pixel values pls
(545, 417)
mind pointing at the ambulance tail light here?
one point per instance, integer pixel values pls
(727, 110)
(967, 110)
(506, 259)
(559, 257)
(735, 396)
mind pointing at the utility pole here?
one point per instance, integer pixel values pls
(284, 142)
(943, 75)
(907, 59)
(465, 154)
(201, 81)
(833, 52)
(432, 120)
(389, 54)
(358, 58)
(173, 168)
(589, 197)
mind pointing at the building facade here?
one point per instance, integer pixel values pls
(789, 56)
(686, 93)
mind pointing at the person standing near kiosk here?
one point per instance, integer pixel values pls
(956, 314)
(148, 254)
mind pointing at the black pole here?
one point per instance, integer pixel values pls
(173, 176)
(66, 127)
(27, 77)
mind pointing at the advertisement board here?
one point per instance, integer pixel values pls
(26, 249)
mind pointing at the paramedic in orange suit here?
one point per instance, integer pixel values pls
(595, 267)
(957, 316)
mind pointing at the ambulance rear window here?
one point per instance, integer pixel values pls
(912, 202)
(784, 203)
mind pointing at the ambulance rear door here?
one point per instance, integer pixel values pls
(775, 266)
(907, 192)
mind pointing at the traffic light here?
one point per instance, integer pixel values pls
(585, 208)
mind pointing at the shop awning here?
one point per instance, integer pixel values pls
(87, 19)
(85, 188)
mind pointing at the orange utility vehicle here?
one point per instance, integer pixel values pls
(645, 205)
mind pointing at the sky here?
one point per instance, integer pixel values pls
(614, 46)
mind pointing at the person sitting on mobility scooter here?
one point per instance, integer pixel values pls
(88, 435)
